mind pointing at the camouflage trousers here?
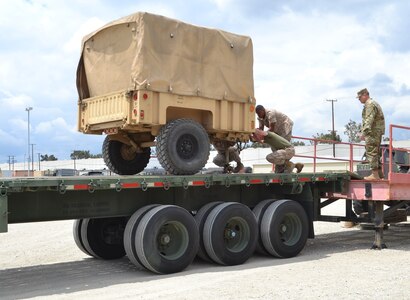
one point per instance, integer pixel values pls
(279, 157)
(373, 151)
(220, 159)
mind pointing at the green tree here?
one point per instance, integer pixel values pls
(327, 136)
(47, 157)
(353, 131)
(298, 143)
(83, 154)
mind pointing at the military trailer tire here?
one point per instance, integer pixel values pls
(129, 235)
(167, 238)
(183, 147)
(121, 160)
(259, 210)
(230, 234)
(284, 228)
(103, 237)
(200, 219)
(77, 236)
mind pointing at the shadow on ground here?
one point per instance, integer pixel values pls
(88, 274)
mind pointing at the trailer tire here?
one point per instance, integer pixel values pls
(284, 228)
(200, 219)
(230, 233)
(183, 147)
(129, 235)
(258, 211)
(121, 161)
(360, 207)
(103, 237)
(77, 236)
(168, 239)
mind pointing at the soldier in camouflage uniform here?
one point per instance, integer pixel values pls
(220, 159)
(279, 123)
(373, 127)
(282, 150)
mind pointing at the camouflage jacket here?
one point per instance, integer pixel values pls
(283, 124)
(373, 118)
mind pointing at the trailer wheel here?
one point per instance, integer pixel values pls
(284, 228)
(230, 233)
(258, 211)
(103, 237)
(122, 159)
(360, 207)
(200, 219)
(183, 147)
(167, 239)
(77, 236)
(129, 234)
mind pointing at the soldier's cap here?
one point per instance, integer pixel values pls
(361, 92)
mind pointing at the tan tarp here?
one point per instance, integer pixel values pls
(149, 51)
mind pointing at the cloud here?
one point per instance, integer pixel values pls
(57, 126)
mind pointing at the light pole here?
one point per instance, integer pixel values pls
(28, 139)
(333, 125)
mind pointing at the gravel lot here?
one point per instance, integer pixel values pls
(41, 260)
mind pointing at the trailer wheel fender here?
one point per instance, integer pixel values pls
(167, 239)
(230, 233)
(284, 228)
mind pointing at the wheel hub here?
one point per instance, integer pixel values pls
(186, 146)
(127, 152)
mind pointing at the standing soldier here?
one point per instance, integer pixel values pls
(373, 128)
(279, 123)
(221, 158)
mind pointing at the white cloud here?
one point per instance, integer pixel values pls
(57, 126)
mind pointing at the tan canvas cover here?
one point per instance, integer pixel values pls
(149, 51)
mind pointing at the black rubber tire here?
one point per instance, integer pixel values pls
(200, 219)
(183, 147)
(103, 237)
(129, 234)
(258, 211)
(115, 161)
(289, 217)
(77, 236)
(236, 220)
(168, 239)
(360, 207)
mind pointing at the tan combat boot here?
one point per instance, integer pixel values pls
(299, 167)
(289, 166)
(239, 168)
(373, 176)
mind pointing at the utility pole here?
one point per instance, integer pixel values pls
(39, 158)
(333, 124)
(10, 162)
(32, 157)
(28, 109)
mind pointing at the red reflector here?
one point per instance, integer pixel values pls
(135, 96)
(198, 182)
(81, 186)
(145, 96)
(158, 184)
(304, 179)
(255, 181)
(130, 185)
(135, 111)
(142, 114)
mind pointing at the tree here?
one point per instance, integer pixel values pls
(353, 131)
(327, 136)
(47, 157)
(298, 143)
(83, 154)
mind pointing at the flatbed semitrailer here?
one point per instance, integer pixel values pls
(162, 222)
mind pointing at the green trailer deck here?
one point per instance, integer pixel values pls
(162, 222)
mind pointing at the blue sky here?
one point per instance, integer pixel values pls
(304, 53)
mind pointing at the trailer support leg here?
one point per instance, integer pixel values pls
(3, 212)
(378, 226)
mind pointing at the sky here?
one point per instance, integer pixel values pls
(305, 52)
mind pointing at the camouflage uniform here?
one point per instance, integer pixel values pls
(282, 150)
(233, 153)
(373, 128)
(283, 124)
